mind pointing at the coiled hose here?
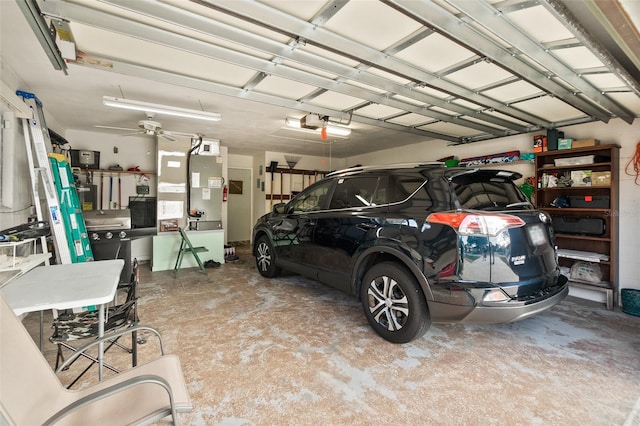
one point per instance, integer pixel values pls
(634, 163)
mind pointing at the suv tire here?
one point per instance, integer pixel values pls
(393, 303)
(266, 258)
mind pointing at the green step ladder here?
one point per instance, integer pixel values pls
(75, 227)
(187, 247)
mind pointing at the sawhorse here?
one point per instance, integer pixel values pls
(187, 247)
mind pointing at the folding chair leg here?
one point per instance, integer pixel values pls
(179, 259)
(94, 360)
(59, 357)
(202, 269)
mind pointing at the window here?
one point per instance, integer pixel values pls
(356, 192)
(312, 200)
(481, 193)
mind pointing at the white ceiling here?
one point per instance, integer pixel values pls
(398, 71)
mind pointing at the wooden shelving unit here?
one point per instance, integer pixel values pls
(605, 244)
(278, 180)
(115, 172)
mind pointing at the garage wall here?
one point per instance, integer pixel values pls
(132, 151)
(306, 162)
(616, 131)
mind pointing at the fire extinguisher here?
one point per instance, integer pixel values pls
(225, 193)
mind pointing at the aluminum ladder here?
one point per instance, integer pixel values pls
(63, 209)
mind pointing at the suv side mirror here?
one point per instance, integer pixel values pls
(279, 208)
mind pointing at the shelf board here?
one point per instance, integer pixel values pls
(582, 237)
(587, 256)
(574, 188)
(599, 285)
(602, 262)
(319, 173)
(278, 197)
(503, 164)
(575, 166)
(124, 172)
(560, 152)
(558, 211)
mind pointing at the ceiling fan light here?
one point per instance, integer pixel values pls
(159, 109)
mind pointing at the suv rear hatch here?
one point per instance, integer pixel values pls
(518, 240)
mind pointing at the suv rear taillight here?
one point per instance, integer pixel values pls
(474, 223)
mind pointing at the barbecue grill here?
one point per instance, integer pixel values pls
(110, 236)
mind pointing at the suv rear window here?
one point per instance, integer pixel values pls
(480, 191)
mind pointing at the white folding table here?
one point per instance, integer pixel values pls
(67, 286)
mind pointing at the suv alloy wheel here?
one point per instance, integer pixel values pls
(394, 303)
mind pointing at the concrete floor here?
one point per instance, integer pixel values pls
(256, 351)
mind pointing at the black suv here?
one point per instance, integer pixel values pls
(417, 244)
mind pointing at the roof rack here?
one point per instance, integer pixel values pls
(387, 166)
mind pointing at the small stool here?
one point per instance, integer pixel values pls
(187, 247)
(606, 290)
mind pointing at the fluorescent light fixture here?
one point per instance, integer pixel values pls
(159, 109)
(332, 129)
(293, 123)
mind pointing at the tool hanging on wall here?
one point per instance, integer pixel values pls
(110, 190)
(101, 190)
(281, 186)
(291, 160)
(272, 169)
(119, 192)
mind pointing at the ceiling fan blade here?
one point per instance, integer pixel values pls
(114, 128)
(170, 132)
(167, 137)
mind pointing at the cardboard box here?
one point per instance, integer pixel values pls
(580, 143)
(574, 161)
(581, 178)
(539, 143)
(600, 178)
(565, 143)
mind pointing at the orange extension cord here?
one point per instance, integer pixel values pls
(635, 163)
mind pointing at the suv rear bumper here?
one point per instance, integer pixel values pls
(510, 311)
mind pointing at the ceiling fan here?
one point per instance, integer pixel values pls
(149, 127)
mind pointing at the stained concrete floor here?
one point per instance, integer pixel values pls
(288, 350)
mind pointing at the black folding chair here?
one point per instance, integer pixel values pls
(69, 327)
